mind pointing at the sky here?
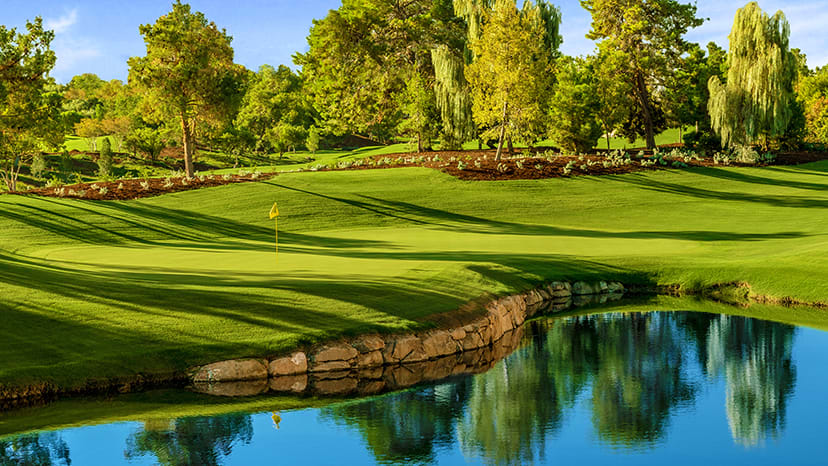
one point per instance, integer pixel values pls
(98, 36)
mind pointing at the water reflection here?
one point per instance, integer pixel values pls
(189, 441)
(625, 378)
(37, 449)
(637, 370)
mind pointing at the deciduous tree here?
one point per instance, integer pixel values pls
(511, 72)
(755, 104)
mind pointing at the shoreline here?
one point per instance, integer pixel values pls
(374, 363)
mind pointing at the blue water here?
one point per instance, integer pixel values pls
(656, 388)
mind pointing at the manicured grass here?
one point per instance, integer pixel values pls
(97, 289)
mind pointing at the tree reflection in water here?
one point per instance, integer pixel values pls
(43, 449)
(635, 370)
(632, 371)
(190, 441)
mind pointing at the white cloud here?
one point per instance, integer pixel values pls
(62, 24)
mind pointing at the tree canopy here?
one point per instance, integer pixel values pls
(647, 39)
(755, 103)
(188, 72)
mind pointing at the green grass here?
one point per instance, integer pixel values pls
(100, 289)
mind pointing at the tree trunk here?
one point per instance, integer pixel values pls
(509, 145)
(419, 143)
(502, 132)
(681, 134)
(646, 109)
(697, 126)
(188, 146)
(607, 133)
(479, 143)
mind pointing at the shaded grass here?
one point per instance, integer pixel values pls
(110, 289)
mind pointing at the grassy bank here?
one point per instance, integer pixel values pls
(118, 288)
(160, 405)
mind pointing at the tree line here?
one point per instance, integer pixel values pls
(433, 71)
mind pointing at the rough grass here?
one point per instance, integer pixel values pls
(97, 289)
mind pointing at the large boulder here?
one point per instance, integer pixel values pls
(232, 371)
(296, 363)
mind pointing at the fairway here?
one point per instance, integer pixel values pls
(104, 289)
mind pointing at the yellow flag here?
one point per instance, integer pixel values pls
(274, 213)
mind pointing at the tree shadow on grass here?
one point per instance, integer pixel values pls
(651, 184)
(741, 176)
(119, 320)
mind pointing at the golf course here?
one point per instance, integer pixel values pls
(99, 290)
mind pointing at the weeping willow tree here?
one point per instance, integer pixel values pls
(453, 97)
(755, 104)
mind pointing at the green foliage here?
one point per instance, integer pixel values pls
(756, 103)
(645, 41)
(363, 55)
(511, 73)
(188, 73)
(38, 165)
(312, 142)
(813, 94)
(29, 111)
(453, 98)
(274, 97)
(105, 159)
(574, 105)
(687, 93)
(421, 114)
(146, 140)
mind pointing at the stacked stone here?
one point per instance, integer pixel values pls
(338, 368)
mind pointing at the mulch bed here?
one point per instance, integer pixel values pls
(532, 168)
(479, 166)
(135, 188)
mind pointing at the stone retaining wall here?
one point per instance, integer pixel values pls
(372, 363)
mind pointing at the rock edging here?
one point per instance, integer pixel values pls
(502, 317)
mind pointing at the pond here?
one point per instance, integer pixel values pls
(626, 388)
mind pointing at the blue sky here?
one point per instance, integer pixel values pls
(98, 36)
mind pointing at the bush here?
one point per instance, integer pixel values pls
(746, 155)
(38, 166)
(105, 159)
(312, 143)
(702, 140)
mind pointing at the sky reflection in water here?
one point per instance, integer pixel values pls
(636, 388)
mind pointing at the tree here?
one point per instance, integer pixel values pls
(573, 109)
(813, 94)
(421, 114)
(363, 55)
(687, 93)
(105, 159)
(29, 114)
(647, 39)
(149, 141)
(274, 98)
(90, 129)
(510, 75)
(614, 95)
(312, 142)
(188, 72)
(284, 136)
(755, 104)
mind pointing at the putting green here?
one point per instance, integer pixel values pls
(114, 288)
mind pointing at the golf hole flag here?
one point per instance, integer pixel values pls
(274, 214)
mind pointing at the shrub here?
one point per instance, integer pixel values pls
(722, 158)
(519, 164)
(312, 142)
(105, 159)
(145, 185)
(38, 165)
(461, 166)
(746, 155)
